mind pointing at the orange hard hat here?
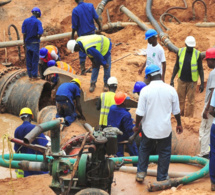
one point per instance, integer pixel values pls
(210, 53)
(120, 97)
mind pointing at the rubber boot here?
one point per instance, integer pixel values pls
(212, 187)
(105, 87)
(82, 64)
(92, 87)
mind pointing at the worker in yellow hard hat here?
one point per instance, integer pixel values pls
(27, 116)
(66, 94)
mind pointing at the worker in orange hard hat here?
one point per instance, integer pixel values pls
(120, 117)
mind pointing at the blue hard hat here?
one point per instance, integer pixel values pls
(138, 86)
(36, 9)
(150, 33)
(150, 69)
(43, 52)
(51, 63)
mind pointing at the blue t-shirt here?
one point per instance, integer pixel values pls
(82, 18)
(69, 90)
(120, 117)
(20, 133)
(32, 27)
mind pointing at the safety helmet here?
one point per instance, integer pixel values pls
(51, 63)
(43, 52)
(71, 45)
(76, 80)
(190, 41)
(36, 10)
(210, 53)
(120, 97)
(25, 112)
(150, 33)
(152, 69)
(112, 81)
(138, 86)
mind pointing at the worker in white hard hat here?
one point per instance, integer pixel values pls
(189, 67)
(98, 49)
(106, 100)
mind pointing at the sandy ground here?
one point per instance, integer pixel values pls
(56, 18)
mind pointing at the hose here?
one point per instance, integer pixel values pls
(193, 9)
(4, 3)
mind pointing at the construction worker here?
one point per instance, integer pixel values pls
(120, 117)
(98, 49)
(106, 100)
(47, 53)
(32, 30)
(212, 140)
(66, 94)
(188, 66)
(156, 103)
(207, 119)
(154, 54)
(138, 86)
(62, 65)
(83, 17)
(27, 116)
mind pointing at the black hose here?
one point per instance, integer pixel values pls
(4, 3)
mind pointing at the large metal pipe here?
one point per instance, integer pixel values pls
(133, 17)
(206, 24)
(101, 6)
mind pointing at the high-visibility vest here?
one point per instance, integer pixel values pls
(107, 100)
(101, 43)
(194, 62)
(65, 66)
(47, 58)
(19, 173)
(50, 48)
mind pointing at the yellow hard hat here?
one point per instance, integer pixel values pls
(25, 110)
(77, 81)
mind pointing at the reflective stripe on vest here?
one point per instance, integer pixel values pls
(64, 66)
(51, 48)
(101, 43)
(107, 100)
(194, 62)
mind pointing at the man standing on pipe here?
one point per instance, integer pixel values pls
(154, 54)
(32, 30)
(27, 116)
(156, 103)
(66, 94)
(83, 17)
(188, 66)
(207, 119)
(98, 49)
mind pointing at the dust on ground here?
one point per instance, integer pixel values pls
(56, 18)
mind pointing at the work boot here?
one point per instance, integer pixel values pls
(82, 64)
(140, 176)
(106, 87)
(35, 78)
(92, 87)
(212, 186)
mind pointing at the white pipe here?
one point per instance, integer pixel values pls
(206, 24)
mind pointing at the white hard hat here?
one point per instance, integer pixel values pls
(112, 81)
(71, 45)
(190, 41)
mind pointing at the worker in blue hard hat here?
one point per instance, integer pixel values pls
(32, 30)
(156, 103)
(138, 86)
(154, 54)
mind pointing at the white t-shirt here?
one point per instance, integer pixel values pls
(155, 55)
(156, 103)
(213, 103)
(210, 85)
(54, 55)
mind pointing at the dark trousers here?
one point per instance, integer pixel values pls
(164, 153)
(32, 58)
(212, 154)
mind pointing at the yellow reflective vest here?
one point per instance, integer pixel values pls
(100, 42)
(194, 62)
(65, 66)
(107, 100)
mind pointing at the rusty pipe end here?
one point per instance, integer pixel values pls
(31, 136)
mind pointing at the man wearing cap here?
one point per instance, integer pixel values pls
(154, 54)
(188, 66)
(32, 30)
(120, 117)
(156, 103)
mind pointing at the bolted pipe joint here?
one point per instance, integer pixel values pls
(33, 166)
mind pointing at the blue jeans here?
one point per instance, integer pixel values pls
(212, 154)
(32, 58)
(164, 152)
(66, 110)
(95, 72)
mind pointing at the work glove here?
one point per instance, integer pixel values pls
(201, 88)
(172, 83)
